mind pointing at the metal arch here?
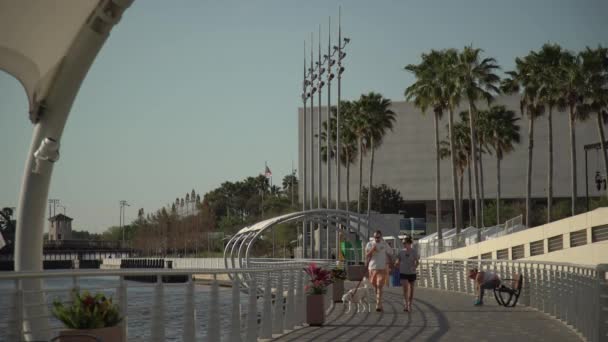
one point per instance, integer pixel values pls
(358, 223)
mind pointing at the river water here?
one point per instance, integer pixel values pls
(140, 304)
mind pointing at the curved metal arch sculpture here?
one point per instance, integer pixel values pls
(238, 249)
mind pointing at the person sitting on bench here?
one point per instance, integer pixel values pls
(484, 280)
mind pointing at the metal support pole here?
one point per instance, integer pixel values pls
(586, 182)
(304, 154)
(312, 153)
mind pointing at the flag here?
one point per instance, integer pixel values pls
(267, 172)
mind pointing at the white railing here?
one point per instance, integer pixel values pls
(574, 294)
(159, 311)
(468, 237)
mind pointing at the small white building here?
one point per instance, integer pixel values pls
(60, 228)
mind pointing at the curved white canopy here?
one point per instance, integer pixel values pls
(35, 36)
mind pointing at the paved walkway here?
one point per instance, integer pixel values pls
(437, 316)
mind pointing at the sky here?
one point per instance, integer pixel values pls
(189, 94)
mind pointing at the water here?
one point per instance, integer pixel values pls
(140, 298)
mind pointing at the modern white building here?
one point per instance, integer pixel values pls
(406, 161)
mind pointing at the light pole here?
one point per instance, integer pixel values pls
(313, 90)
(305, 95)
(53, 202)
(123, 204)
(320, 84)
(341, 45)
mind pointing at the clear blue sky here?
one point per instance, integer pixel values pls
(189, 94)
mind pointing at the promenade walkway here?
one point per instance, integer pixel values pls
(437, 316)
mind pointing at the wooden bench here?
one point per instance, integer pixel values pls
(513, 291)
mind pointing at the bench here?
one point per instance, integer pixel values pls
(513, 291)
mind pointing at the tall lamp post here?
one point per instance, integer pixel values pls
(313, 76)
(123, 204)
(340, 69)
(305, 96)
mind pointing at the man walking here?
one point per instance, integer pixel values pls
(376, 254)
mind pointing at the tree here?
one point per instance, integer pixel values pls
(476, 81)
(572, 90)
(290, 186)
(375, 109)
(522, 80)
(385, 200)
(549, 73)
(430, 92)
(502, 133)
(458, 141)
(595, 78)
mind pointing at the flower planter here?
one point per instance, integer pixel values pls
(113, 334)
(338, 290)
(315, 311)
(355, 272)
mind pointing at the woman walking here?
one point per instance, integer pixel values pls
(407, 261)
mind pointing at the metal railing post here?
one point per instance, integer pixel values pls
(600, 329)
(266, 326)
(158, 316)
(277, 320)
(122, 299)
(251, 334)
(235, 323)
(213, 332)
(290, 305)
(189, 312)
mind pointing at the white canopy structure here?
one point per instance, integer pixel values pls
(48, 46)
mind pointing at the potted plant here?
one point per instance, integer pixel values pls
(89, 315)
(319, 280)
(338, 276)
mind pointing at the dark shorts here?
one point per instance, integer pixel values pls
(409, 277)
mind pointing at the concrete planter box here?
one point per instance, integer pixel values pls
(338, 290)
(355, 272)
(315, 311)
(113, 334)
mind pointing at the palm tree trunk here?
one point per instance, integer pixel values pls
(573, 159)
(529, 170)
(550, 166)
(497, 188)
(371, 174)
(348, 183)
(472, 118)
(469, 167)
(360, 175)
(483, 201)
(437, 177)
(457, 210)
(460, 191)
(600, 128)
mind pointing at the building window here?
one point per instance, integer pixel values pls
(537, 247)
(58, 236)
(578, 238)
(517, 252)
(556, 243)
(486, 256)
(599, 233)
(502, 254)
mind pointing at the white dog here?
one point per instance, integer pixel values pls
(358, 296)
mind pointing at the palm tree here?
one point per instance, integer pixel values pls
(429, 92)
(522, 80)
(503, 133)
(376, 110)
(572, 90)
(458, 141)
(549, 75)
(348, 141)
(595, 68)
(476, 81)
